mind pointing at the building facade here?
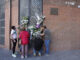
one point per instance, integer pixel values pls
(62, 19)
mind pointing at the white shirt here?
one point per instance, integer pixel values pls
(14, 34)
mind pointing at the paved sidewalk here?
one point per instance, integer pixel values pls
(65, 55)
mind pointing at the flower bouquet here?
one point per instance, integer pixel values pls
(24, 21)
(34, 31)
(39, 20)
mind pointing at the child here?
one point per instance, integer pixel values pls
(14, 39)
(24, 35)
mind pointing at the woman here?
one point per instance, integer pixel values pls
(42, 32)
(14, 39)
(24, 36)
(38, 42)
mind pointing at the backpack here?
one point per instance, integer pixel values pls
(38, 43)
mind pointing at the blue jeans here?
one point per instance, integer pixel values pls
(47, 45)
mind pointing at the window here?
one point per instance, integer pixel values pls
(29, 8)
(2, 21)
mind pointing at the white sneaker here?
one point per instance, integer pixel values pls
(26, 56)
(22, 57)
(34, 54)
(39, 54)
(13, 55)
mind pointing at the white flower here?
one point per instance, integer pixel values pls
(30, 27)
(24, 22)
(39, 18)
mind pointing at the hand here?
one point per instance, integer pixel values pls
(14, 40)
(11, 37)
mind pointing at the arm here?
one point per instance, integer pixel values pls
(42, 34)
(20, 35)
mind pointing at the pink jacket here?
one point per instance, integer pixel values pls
(24, 35)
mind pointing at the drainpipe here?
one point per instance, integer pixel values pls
(18, 18)
(18, 12)
(10, 22)
(29, 10)
(42, 7)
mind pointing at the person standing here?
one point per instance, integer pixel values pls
(38, 43)
(24, 36)
(47, 38)
(14, 39)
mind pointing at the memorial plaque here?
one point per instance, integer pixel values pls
(54, 11)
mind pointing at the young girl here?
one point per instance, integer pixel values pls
(14, 39)
(24, 35)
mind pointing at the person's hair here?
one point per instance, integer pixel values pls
(13, 27)
(45, 27)
(23, 29)
(42, 27)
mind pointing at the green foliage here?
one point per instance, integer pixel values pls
(25, 18)
(35, 30)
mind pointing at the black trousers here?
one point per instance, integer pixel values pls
(14, 46)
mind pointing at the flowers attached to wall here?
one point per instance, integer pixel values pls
(39, 20)
(24, 21)
(34, 31)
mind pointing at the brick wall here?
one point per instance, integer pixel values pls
(14, 19)
(15, 12)
(64, 27)
(7, 23)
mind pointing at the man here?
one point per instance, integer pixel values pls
(47, 38)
